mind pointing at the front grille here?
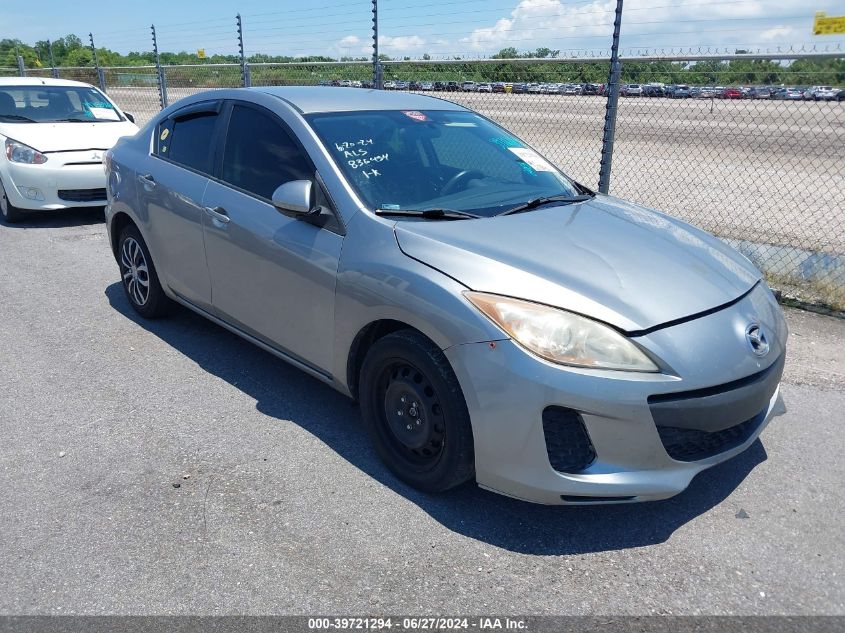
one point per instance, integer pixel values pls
(690, 445)
(567, 442)
(83, 195)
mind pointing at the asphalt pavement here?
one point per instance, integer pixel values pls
(169, 467)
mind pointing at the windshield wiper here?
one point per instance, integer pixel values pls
(538, 202)
(17, 117)
(72, 120)
(429, 214)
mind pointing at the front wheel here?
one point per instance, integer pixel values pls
(10, 213)
(140, 280)
(415, 413)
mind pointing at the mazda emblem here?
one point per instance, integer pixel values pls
(756, 338)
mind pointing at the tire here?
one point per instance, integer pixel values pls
(10, 213)
(406, 380)
(138, 275)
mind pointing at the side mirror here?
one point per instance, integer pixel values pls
(296, 198)
(129, 116)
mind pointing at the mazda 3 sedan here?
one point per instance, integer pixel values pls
(495, 319)
(54, 133)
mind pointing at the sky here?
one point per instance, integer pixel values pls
(468, 28)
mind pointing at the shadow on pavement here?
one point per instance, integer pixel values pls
(58, 219)
(507, 523)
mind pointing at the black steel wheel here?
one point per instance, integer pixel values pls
(415, 413)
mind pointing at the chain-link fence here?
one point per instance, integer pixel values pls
(747, 147)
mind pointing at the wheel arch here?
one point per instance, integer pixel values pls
(364, 340)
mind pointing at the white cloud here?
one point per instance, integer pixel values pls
(401, 43)
(349, 41)
(645, 23)
(777, 32)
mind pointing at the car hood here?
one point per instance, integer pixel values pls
(62, 137)
(628, 266)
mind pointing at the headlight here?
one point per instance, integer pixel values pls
(20, 153)
(562, 337)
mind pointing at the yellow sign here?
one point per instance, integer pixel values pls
(38, 63)
(201, 53)
(824, 24)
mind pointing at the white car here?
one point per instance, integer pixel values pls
(54, 134)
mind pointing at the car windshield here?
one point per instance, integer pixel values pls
(47, 104)
(456, 160)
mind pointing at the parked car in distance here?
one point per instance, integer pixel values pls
(414, 85)
(632, 90)
(448, 292)
(535, 88)
(484, 87)
(760, 92)
(389, 85)
(681, 91)
(427, 86)
(54, 133)
(653, 91)
(821, 93)
(498, 86)
(519, 88)
(571, 89)
(452, 86)
(731, 93)
(469, 86)
(788, 94)
(592, 89)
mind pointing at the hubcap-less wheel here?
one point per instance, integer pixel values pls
(413, 414)
(136, 275)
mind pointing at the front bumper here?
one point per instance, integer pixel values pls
(507, 390)
(67, 180)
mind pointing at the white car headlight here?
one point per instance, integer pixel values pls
(20, 153)
(562, 337)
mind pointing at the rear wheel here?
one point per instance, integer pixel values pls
(415, 412)
(10, 213)
(140, 280)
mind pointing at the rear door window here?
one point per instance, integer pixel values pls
(188, 140)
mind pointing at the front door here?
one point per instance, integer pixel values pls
(271, 275)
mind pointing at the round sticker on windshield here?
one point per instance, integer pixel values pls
(164, 134)
(416, 116)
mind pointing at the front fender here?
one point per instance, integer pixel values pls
(376, 281)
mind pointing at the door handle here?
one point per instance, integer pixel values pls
(218, 213)
(147, 179)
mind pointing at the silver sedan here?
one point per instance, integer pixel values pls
(496, 320)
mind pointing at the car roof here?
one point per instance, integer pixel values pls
(309, 99)
(39, 81)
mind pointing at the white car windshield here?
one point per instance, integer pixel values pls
(434, 159)
(48, 104)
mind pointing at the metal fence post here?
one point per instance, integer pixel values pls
(161, 79)
(376, 62)
(101, 76)
(246, 79)
(53, 70)
(612, 105)
(21, 67)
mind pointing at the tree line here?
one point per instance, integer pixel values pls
(72, 51)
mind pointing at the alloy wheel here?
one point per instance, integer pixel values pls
(136, 274)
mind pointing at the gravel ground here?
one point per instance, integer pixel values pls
(171, 468)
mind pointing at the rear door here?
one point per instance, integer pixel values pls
(272, 275)
(171, 185)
